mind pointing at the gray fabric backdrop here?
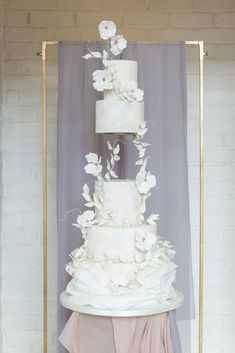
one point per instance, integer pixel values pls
(162, 75)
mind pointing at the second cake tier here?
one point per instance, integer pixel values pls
(121, 243)
(119, 117)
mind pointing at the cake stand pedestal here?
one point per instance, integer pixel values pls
(172, 304)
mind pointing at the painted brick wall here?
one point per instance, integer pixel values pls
(25, 24)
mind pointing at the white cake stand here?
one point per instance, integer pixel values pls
(172, 304)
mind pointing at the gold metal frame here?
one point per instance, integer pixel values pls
(43, 54)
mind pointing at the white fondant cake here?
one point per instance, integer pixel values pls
(124, 71)
(121, 199)
(123, 263)
(118, 116)
(106, 242)
(119, 111)
(121, 285)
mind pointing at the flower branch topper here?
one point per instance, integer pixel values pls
(106, 79)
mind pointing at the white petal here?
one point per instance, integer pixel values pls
(109, 146)
(107, 29)
(116, 149)
(113, 174)
(98, 75)
(86, 193)
(89, 215)
(118, 43)
(96, 54)
(87, 56)
(151, 180)
(143, 187)
(98, 86)
(91, 169)
(92, 158)
(132, 85)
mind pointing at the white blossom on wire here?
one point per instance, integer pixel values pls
(107, 29)
(117, 44)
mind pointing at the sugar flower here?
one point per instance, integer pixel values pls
(133, 93)
(92, 158)
(103, 80)
(118, 43)
(145, 240)
(94, 166)
(76, 253)
(93, 169)
(107, 29)
(86, 218)
(145, 181)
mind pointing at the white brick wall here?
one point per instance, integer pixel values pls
(25, 24)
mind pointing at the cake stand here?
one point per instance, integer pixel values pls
(172, 304)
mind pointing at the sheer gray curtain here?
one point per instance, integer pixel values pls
(162, 75)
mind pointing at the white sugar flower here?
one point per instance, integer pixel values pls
(145, 240)
(69, 268)
(92, 158)
(107, 29)
(120, 280)
(151, 180)
(118, 43)
(86, 218)
(94, 169)
(103, 80)
(133, 93)
(138, 95)
(143, 187)
(75, 254)
(144, 182)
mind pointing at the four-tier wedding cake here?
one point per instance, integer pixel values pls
(123, 263)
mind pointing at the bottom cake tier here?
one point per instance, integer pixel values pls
(122, 286)
(116, 284)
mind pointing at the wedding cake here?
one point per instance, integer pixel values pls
(123, 263)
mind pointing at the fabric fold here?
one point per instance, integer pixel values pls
(88, 334)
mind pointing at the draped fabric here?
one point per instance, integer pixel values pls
(162, 75)
(146, 334)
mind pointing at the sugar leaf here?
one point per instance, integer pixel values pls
(109, 146)
(153, 218)
(116, 149)
(107, 176)
(113, 174)
(89, 204)
(86, 193)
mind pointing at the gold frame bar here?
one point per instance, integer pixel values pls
(43, 55)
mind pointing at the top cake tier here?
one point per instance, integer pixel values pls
(119, 112)
(125, 71)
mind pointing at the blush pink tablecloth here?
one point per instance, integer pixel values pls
(95, 334)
